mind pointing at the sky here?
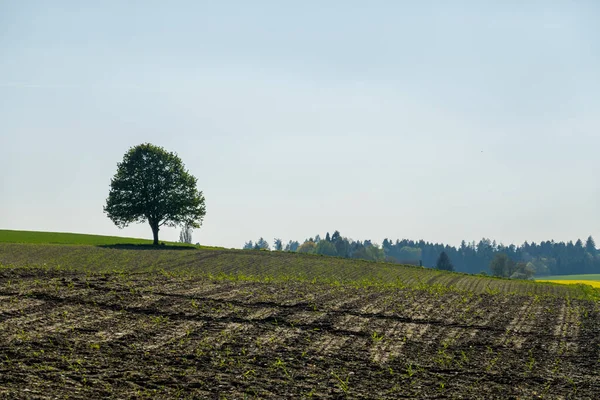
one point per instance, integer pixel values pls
(434, 120)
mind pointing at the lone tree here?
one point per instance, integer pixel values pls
(443, 262)
(153, 185)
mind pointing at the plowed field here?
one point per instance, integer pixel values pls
(156, 335)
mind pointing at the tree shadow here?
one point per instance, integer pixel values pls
(135, 246)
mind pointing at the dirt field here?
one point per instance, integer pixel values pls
(82, 335)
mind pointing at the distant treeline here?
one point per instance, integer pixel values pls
(545, 258)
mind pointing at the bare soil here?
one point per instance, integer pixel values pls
(117, 335)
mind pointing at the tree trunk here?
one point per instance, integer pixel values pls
(154, 233)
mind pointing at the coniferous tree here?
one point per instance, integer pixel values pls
(278, 244)
(261, 244)
(590, 246)
(342, 246)
(444, 263)
(335, 236)
(292, 245)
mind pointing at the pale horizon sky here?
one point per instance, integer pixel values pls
(434, 120)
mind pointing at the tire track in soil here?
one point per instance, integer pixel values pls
(443, 308)
(589, 340)
(31, 326)
(128, 331)
(525, 324)
(391, 344)
(23, 305)
(566, 330)
(422, 310)
(350, 323)
(79, 323)
(120, 329)
(330, 327)
(349, 302)
(232, 293)
(106, 330)
(315, 324)
(197, 290)
(262, 314)
(308, 317)
(162, 336)
(376, 304)
(276, 338)
(464, 314)
(328, 343)
(350, 327)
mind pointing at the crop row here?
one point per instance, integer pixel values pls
(115, 334)
(279, 266)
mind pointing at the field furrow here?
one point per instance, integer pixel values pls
(121, 335)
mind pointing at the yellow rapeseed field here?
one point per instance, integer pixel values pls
(595, 284)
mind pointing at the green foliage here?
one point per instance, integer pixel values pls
(523, 271)
(545, 258)
(375, 253)
(10, 236)
(261, 244)
(367, 251)
(292, 246)
(444, 262)
(502, 265)
(325, 248)
(152, 185)
(307, 247)
(408, 253)
(542, 265)
(590, 246)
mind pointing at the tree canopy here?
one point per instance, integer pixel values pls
(444, 263)
(326, 248)
(544, 258)
(152, 185)
(502, 265)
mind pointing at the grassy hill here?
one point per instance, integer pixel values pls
(246, 264)
(97, 253)
(11, 236)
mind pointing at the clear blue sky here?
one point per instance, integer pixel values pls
(441, 120)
